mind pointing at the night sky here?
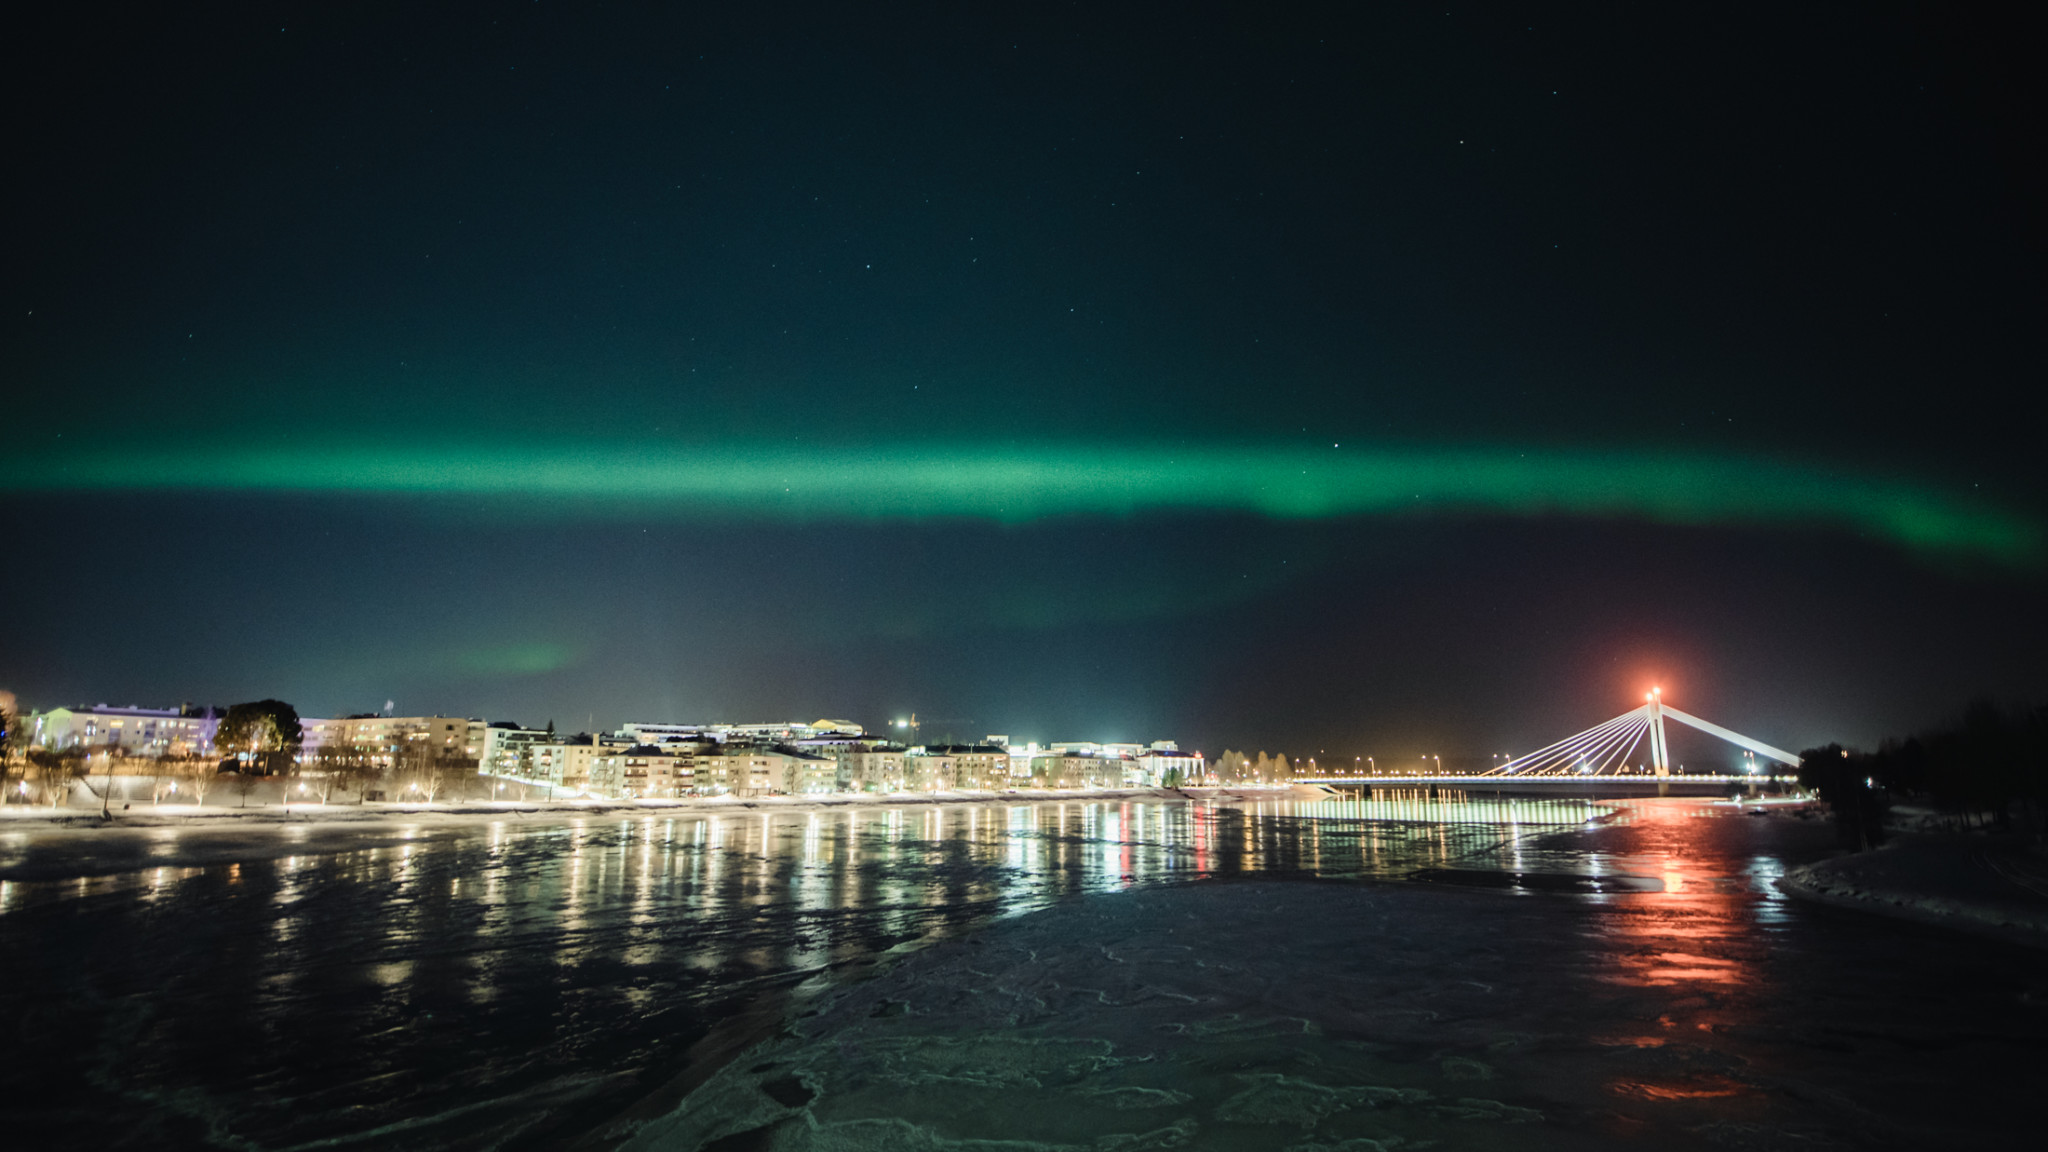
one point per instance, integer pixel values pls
(1326, 381)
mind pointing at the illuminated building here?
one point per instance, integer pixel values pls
(575, 763)
(787, 732)
(129, 731)
(657, 771)
(875, 766)
(508, 748)
(403, 742)
(957, 767)
(1165, 756)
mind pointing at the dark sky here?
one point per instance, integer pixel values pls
(1329, 381)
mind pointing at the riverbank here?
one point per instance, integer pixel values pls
(178, 815)
(1977, 884)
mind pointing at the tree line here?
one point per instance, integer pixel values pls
(1236, 768)
(1988, 768)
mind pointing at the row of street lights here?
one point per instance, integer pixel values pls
(1367, 766)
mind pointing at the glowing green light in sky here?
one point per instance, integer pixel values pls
(521, 659)
(1021, 484)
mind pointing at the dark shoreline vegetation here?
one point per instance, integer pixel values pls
(1986, 770)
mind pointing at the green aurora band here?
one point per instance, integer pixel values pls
(1020, 484)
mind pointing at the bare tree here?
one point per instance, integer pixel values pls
(56, 769)
(243, 784)
(105, 791)
(429, 776)
(341, 766)
(456, 777)
(205, 774)
(13, 741)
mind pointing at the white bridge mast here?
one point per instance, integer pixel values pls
(1659, 760)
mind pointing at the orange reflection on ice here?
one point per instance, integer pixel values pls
(1693, 1088)
(1690, 932)
(1697, 937)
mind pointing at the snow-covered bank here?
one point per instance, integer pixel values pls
(1968, 883)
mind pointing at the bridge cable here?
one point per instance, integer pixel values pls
(1564, 750)
(1537, 762)
(1600, 751)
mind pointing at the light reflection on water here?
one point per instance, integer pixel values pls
(462, 962)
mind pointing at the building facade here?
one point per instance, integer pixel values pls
(958, 768)
(875, 768)
(657, 771)
(786, 732)
(130, 731)
(399, 742)
(508, 750)
(1077, 770)
(572, 763)
(1163, 761)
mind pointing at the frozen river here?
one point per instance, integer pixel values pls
(1551, 973)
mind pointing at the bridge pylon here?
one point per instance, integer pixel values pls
(1660, 759)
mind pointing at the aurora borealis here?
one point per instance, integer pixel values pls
(918, 481)
(1370, 378)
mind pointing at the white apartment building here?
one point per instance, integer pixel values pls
(807, 773)
(957, 767)
(129, 731)
(877, 767)
(573, 763)
(752, 770)
(659, 771)
(507, 750)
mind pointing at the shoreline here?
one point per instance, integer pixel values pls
(42, 844)
(28, 818)
(1957, 882)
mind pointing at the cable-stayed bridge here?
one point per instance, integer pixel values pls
(1604, 751)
